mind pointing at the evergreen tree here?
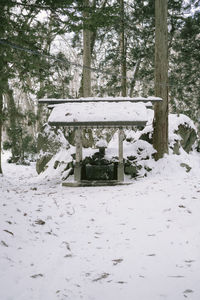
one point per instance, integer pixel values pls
(184, 75)
(24, 47)
(4, 21)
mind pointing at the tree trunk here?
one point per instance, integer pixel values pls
(123, 52)
(14, 130)
(133, 81)
(160, 123)
(1, 123)
(86, 51)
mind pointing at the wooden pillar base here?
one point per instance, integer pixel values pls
(120, 169)
(120, 172)
(78, 164)
(77, 172)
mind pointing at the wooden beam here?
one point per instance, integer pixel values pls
(109, 99)
(104, 124)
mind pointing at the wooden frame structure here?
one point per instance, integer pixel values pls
(120, 113)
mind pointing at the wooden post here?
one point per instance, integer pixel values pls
(160, 123)
(120, 170)
(77, 169)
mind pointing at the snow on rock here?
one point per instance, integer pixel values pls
(182, 132)
(59, 165)
(49, 143)
(148, 129)
(176, 120)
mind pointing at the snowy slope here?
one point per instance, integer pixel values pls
(125, 242)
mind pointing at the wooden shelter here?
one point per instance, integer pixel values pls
(120, 113)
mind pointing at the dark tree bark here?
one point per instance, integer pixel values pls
(86, 52)
(133, 81)
(160, 123)
(1, 123)
(123, 51)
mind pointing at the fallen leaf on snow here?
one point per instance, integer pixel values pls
(103, 276)
(68, 255)
(117, 261)
(67, 245)
(176, 276)
(40, 222)
(4, 244)
(10, 232)
(34, 189)
(188, 291)
(37, 275)
(166, 209)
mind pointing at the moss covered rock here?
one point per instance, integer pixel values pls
(50, 140)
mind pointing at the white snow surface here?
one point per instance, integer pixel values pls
(140, 241)
(98, 111)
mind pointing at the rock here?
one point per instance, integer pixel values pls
(56, 163)
(198, 146)
(176, 148)
(41, 162)
(49, 139)
(49, 142)
(188, 137)
(185, 137)
(182, 133)
(147, 137)
(188, 168)
(67, 173)
(130, 169)
(131, 157)
(148, 169)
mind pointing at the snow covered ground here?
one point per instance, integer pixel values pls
(136, 242)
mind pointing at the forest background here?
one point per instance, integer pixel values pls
(41, 50)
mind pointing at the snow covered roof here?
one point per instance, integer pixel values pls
(99, 114)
